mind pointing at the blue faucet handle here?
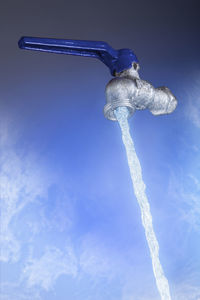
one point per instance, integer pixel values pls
(115, 60)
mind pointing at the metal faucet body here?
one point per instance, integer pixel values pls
(127, 89)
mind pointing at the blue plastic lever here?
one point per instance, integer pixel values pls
(115, 60)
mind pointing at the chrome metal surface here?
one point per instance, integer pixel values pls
(127, 89)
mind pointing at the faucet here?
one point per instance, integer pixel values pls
(126, 88)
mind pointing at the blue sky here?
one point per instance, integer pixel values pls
(70, 223)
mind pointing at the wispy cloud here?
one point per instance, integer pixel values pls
(188, 288)
(44, 271)
(184, 194)
(129, 292)
(185, 188)
(16, 291)
(103, 263)
(95, 259)
(22, 181)
(192, 109)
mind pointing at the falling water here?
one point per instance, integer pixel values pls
(121, 114)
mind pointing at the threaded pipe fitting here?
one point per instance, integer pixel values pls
(111, 106)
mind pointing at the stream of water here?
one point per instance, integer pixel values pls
(121, 114)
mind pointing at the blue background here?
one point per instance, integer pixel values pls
(70, 223)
